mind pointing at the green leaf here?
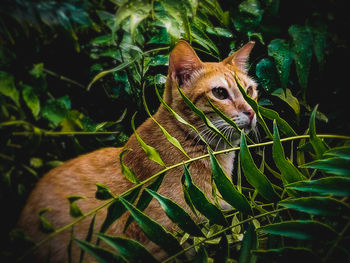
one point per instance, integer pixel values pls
(254, 176)
(302, 53)
(285, 254)
(342, 152)
(146, 198)
(150, 151)
(200, 201)
(338, 186)
(290, 173)
(37, 70)
(282, 124)
(127, 172)
(154, 231)
(8, 88)
(55, 111)
(219, 31)
(31, 99)
(226, 188)
(301, 229)
(252, 103)
(250, 242)
(177, 214)
(287, 96)
(335, 165)
(222, 252)
(128, 248)
(102, 255)
(177, 116)
(267, 74)
(88, 237)
(170, 138)
(201, 256)
(103, 192)
(203, 117)
(116, 209)
(279, 49)
(45, 225)
(74, 209)
(315, 205)
(227, 119)
(318, 144)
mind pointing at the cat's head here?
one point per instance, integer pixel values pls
(203, 81)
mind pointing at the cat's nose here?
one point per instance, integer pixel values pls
(249, 114)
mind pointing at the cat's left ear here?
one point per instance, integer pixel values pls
(183, 61)
(240, 57)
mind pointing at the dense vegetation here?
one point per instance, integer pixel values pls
(71, 78)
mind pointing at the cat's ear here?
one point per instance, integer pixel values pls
(183, 61)
(240, 57)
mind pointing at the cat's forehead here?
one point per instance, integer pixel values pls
(220, 75)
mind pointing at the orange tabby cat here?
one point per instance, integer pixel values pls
(79, 176)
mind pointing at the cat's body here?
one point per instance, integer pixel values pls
(79, 176)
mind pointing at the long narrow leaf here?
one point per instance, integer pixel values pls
(150, 151)
(254, 106)
(102, 255)
(316, 205)
(338, 186)
(227, 189)
(318, 144)
(342, 152)
(154, 231)
(177, 214)
(335, 165)
(126, 171)
(170, 138)
(289, 172)
(204, 118)
(88, 237)
(200, 201)
(301, 229)
(145, 198)
(254, 176)
(250, 242)
(128, 248)
(116, 209)
(227, 119)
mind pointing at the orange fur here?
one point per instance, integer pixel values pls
(78, 176)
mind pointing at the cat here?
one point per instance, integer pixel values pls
(198, 80)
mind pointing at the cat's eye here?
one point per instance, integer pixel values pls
(220, 93)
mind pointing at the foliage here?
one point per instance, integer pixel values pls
(291, 201)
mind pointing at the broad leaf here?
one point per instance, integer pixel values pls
(301, 229)
(338, 186)
(315, 205)
(154, 231)
(287, 96)
(128, 248)
(226, 188)
(200, 201)
(177, 214)
(279, 49)
(267, 74)
(31, 99)
(254, 176)
(8, 88)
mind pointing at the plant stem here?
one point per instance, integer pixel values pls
(340, 236)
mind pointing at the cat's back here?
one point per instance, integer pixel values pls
(76, 177)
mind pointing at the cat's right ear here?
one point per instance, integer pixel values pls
(183, 61)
